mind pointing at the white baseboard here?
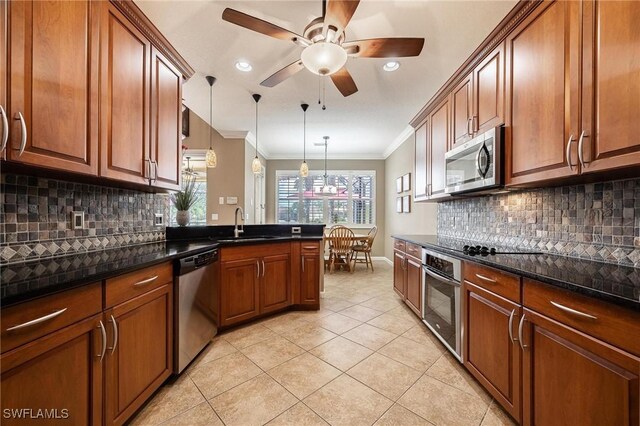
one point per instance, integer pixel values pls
(382, 258)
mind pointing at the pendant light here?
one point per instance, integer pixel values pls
(211, 158)
(256, 166)
(304, 168)
(327, 190)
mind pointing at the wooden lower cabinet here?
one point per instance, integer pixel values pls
(572, 378)
(413, 279)
(310, 274)
(399, 281)
(60, 372)
(239, 291)
(275, 283)
(140, 352)
(491, 353)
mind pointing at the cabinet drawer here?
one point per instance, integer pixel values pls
(128, 286)
(399, 245)
(501, 283)
(48, 314)
(414, 250)
(615, 325)
(310, 248)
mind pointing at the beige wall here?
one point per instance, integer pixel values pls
(377, 165)
(423, 216)
(250, 180)
(228, 178)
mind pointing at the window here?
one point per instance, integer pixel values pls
(299, 199)
(196, 166)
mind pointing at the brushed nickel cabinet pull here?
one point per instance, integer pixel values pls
(262, 268)
(147, 281)
(511, 327)
(37, 320)
(103, 332)
(258, 272)
(572, 311)
(569, 142)
(115, 335)
(5, 128)
(23, 128)
(520, 326)
(487, 279)
(302, 263)
(580, 144)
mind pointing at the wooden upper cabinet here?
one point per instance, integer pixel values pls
(611, 85)
(488, 92)
(125, 86)
(275, 283)
(541, 95)
(166, 116)
(421, 162)
(461, 114)
(4, 117)
(439, 143)
(53, 69)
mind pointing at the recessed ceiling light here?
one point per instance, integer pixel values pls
(391, 66)
(244, 66)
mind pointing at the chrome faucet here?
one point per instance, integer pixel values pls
(236, 231)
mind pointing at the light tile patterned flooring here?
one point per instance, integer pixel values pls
(363, 359)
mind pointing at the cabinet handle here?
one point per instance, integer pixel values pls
(262, 268)
(154, 163)
(572, 311)
(37, 320)
(103, 333)
(115, 335)
(569, 142)
(469, 130)
(511, 327)
(5, 128)
(23, 128)
(487, 279)
(147, 281)
(580, 144)
(520, 326)
(474, 123)
(258, 266)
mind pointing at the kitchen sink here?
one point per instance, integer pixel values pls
(247, 238)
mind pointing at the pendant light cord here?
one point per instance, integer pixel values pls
(256, 128)
(210, 114)
(304, 137)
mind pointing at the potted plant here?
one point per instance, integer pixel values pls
(184, 199)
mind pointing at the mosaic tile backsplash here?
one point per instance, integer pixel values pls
(598, 221)
(35, 217)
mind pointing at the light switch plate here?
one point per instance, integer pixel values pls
(221, 200)
(232, 200)
(77, 220)
(214, 216)
(158, 219)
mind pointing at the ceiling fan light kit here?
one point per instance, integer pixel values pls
(325, 49)
(256, 165)
(211, 158)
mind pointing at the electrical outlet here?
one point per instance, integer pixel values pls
(296, 230)
(77, 220)
(221, 200)
(158, 219)
(214, 216)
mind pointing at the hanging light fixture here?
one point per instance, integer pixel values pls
(304, 168)
(256, 166)
(211, 158)
(327, 190)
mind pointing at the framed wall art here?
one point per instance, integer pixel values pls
(406, 182)
(399, 205)
(399, 188)
(406, 204)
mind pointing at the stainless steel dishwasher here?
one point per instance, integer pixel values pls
(195, 306)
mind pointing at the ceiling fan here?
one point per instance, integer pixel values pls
(325, 49)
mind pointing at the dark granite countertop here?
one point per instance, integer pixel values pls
(24, 281)
(617, 284)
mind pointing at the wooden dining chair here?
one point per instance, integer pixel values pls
(365, 249)
(340, 247)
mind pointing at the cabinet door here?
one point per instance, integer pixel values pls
(239, 291)
(439, 138)
(571, 378)
(399, 273)
(542, 94)
(4, 117)
(461, 115)
(414, 285)
(488, 91)
(611, 85)
(491, 355)
(140, 351)
(275, 292)
(311, 265)
(166, 116)
(420, 172)
(125, 75)
(61, 371)
(54, 84)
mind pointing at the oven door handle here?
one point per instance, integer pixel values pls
(440, 277)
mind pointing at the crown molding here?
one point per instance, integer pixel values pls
(233, 134)
(399, 140)
(251, 139)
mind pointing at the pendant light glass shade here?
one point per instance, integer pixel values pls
(211, 158)
(304, 168)
(256, 165)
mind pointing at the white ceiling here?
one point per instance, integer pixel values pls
(364, 125)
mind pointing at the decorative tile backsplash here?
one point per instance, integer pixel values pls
(598, 221)
(35, 217)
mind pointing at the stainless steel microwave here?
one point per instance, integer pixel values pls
(476, 165)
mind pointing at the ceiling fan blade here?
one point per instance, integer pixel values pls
(384, 47)
(286, 72)
(258, 25)
(344, 82)
(338, 14)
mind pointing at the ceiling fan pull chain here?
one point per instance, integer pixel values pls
(324, 93)
(319, 89)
